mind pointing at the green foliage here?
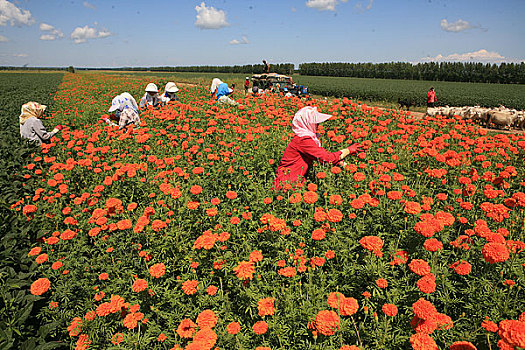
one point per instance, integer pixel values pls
(18, 324)
(448, 93)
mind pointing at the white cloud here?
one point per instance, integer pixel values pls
(10, 14)
(455, 27)
(359, 6)
(52, 32)
(83, 34)
(482, 55)
(89, 6)
(47, 37)
(14, 55)
(244, 40)
(210, 17)
(3, 39)
(322, 5)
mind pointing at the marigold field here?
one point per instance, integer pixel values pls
(169, 236)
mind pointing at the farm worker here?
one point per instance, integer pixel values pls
(246, 85)
(151, 97)
(431, 98)
(305, 147)
(31, 127)
(221, 90)
(266, 67)
(170, 93)
(125, 110)
(214, 85)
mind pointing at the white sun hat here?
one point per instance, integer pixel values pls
(171, 87)
(152, 88)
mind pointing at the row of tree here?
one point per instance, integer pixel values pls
(504, 73)
(281, 68)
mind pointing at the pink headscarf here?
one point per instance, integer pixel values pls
(305, 122)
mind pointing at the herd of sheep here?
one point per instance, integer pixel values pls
(500, 117)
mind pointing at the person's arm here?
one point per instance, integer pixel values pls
(310, 147)
(42, 133)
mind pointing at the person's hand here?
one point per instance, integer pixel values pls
(59, 127)
(354, 148)
(105, 118)
(55, 130)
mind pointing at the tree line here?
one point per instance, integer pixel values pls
(504, 73)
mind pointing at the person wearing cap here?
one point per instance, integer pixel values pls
(246, 85)
(287, 93)
(221, 90)
(170, 93)
(31, 126)
(124, 111)
(305, 148)
(151, 97)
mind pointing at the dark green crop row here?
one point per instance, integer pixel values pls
(448, 93)
(18, 327)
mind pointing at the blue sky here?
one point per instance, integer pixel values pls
(106, 33)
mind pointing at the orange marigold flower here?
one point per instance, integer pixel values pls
(244, 270)
(157, 270)
(260, 327)
(382, 283)
(513, 332)
(495, 252)
(390, 309)
(42, 258)
(75, 327)
(349, 347)
(372, 243)
(310, 197)
(211, 290)
(489, 326)
(124, 224)
(204, 339)
(186, 328)
(412, 207)
(207, 318)
(419, 267)
(432, 245)
(335, 199)
(318, 234)
(40, 286)
(462, 345)
(422, 341)
(196, 189)
(334, 215)
(190, 287)
(35, 251)
(266, 307)
(139, 285)
(67, 235)
(327, 322)
(463, 268)
(424, 309)
(348, 306)
(233, 328)
(256, 256)
(427, 284)
(335, 299)
(231, 194)
(288, 271)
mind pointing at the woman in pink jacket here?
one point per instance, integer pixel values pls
(305, 147)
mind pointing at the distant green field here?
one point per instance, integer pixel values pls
(385, 90)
